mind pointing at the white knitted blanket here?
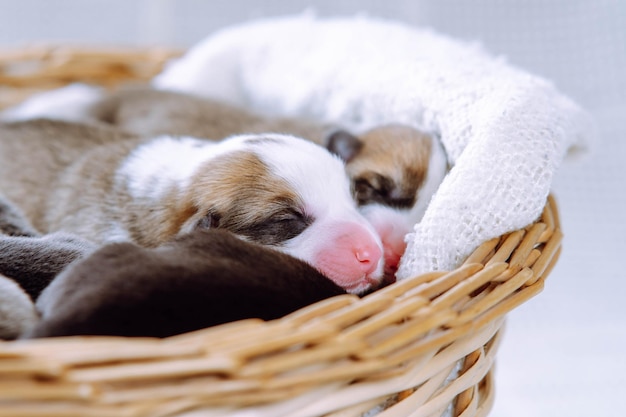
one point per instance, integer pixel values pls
(505, 131)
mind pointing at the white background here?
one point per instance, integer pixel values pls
(564, 352)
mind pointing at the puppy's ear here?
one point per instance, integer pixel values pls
(344, 144)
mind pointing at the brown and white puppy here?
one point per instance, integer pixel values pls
(395, 169)
(202, 279)
(108, 186)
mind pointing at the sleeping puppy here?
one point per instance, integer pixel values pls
(394, 169)
(202, 279)
(107, 186)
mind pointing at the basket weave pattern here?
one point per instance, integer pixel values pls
(341, 355)
(422, 346)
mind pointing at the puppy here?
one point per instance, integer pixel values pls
(108, 186)
(389, 166)
(202, 279)
(394, 169)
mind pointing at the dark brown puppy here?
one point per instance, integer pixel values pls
(199, 280)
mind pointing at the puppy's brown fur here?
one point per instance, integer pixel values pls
(200, 280)
(12, 221)
(30, 259)
(151, 112)
(57, 171)
(33, 262)
(34, 157)
(387, 164)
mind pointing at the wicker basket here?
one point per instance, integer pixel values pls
(34, 69)
(424, 346)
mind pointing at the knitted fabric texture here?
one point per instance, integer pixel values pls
(505, 131)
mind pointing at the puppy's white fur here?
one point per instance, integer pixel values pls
(143, 169)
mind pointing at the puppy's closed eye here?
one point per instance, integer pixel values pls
(273, 229)
(278, 228)
(375, 188)
(372, 187)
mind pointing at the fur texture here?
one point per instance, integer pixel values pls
(34, 261)
(202, 279)
(151, 112)
(107, 186)
(17, 311)
(28, 263)
(12, 220)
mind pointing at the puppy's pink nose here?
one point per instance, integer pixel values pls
(367, 258)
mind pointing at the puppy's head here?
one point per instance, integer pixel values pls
(292, 195)
(394, 170)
